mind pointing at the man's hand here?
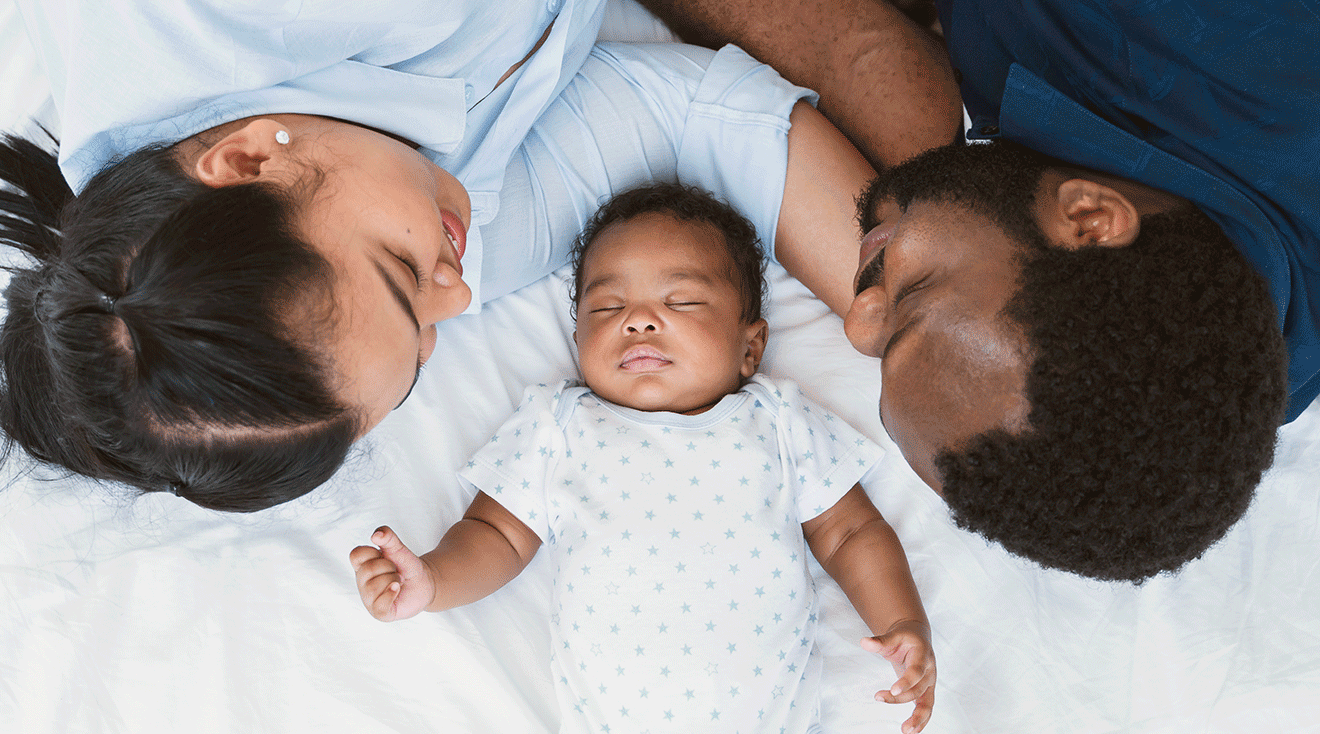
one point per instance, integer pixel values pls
(907, 647)
(393, 582)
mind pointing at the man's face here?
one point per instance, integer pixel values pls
(934, 275)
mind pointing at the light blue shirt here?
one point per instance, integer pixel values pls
(128, 74)
(544, 147)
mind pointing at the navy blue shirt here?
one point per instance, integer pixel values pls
(1217, 102)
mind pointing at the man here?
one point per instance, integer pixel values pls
(1083, 323)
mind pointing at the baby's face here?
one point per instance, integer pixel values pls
(659, 321)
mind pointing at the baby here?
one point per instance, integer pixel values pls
(677, 493)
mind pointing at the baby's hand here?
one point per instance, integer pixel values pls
(394, 583)
(907, 647)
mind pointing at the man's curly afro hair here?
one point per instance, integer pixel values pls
(1157, 387)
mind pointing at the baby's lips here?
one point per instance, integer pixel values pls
(643, 353)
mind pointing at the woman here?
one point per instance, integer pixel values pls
(276, 210)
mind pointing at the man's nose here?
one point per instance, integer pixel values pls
(867, 324)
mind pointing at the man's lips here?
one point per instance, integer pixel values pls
(643, 359)
(875, 240)
(870, 266)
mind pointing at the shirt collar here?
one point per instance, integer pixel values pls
(1037, 115)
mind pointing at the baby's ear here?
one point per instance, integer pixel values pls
(756, 334)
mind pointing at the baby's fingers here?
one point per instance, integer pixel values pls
(361, 555)
(376, 577)
(916, 680)
(387, 540)
(382, 605)
(379, 594)
(921, 715)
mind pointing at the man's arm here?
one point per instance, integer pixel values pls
(884, 81)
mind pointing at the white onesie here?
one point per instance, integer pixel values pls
(682, 596)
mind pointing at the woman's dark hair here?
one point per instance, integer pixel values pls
(160, 335)
(1157, 385)
(747, 264)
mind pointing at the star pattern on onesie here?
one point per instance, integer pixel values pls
(682, 594)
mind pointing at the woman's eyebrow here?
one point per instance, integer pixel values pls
(399, 296)
(406, 306)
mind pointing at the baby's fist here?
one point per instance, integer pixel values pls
(392, 581)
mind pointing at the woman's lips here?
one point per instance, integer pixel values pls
(643, 359)
(457, 236)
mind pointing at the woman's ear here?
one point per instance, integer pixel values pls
(243, 155)
(756, 336)
(1081, 212)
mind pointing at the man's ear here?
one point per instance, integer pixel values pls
(1081, 212)
(757, 333)
(243, 155)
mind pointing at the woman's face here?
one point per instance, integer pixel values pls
(394, 226)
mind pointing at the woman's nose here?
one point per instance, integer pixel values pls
(448, 297)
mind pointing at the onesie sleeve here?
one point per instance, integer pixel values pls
(825, 455)
(514, 467)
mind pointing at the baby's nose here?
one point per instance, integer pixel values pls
(641, 320)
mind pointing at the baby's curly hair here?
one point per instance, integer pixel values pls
(1157, 387)
(692, 204)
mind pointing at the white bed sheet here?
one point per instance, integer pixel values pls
(152, 615)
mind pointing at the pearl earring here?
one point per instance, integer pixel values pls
(282, 137)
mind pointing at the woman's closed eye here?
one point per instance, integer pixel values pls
(417, 272)
(411, 263)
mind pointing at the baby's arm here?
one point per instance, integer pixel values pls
(860, 551)
(479, 554)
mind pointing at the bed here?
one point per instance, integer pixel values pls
(145, 615)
